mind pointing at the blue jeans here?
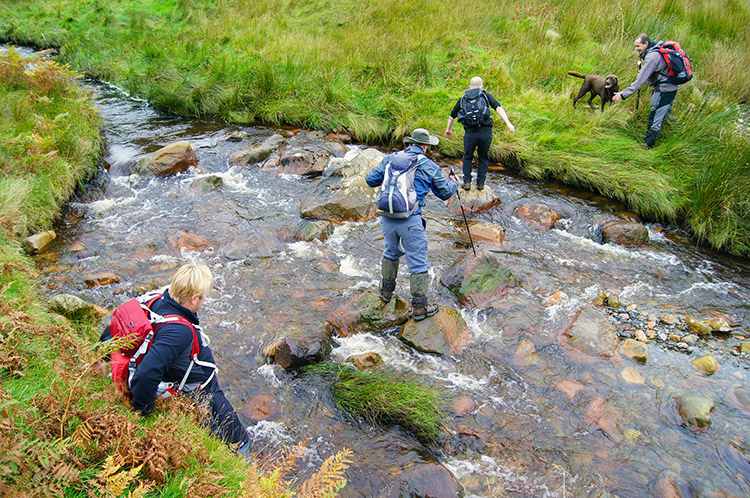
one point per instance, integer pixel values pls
(406, 237)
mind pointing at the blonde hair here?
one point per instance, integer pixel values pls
(190, 280)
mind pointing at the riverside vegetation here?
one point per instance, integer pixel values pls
(64, 431)
(379, 69)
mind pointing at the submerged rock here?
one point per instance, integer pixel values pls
(259, 152)
(173, 158)
(365, 361)
(479, 281)
(592, 334)
(634, 349)
(303, 160)
(423, 480)
(625, 233)
(313, 230)
(444, 333)
(706, 364)
(540, 216)
(366, 312)
(695, 410)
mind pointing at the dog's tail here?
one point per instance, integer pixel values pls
(576, 74)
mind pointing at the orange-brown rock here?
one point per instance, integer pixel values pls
(539, 215)
(101, 278)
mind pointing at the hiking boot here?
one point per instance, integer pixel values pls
(389, 269)
(650, 139)
(422, 310)
(466, 186)
(420, 282)
(480, 186)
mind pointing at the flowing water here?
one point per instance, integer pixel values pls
(522, 435)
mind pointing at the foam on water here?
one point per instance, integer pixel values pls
(305, 250)
(271, 433)
(353, 267)
(268, 372)
(504, 477)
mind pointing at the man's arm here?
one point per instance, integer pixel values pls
(649, 66)
(441, 186)
(452, 119)
(171, 340)
(504, 117)
(375, 176)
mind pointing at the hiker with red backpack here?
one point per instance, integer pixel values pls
(665, 67)
(170, 354)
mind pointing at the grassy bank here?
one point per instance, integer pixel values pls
(379, 69)
(64, 431)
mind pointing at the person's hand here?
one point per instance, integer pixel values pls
(448, 132)
(511, 129)
(617, 97)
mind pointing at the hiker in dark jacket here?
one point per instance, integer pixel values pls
(407, 236)
(479, 137)
(168, 359)
(654, 71)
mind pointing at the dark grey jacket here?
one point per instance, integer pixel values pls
(654, 72)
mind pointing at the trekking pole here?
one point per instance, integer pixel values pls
(638, 97)
(463, 213)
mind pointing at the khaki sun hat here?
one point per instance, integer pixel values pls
(421, 136)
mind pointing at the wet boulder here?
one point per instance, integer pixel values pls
(473, 201)
(313, 230)
(101, 278)
(184, 240)
(303, 160)
(74, 308)
(635, 350)
(539, 215)
(173, 158)
(366, 312)
(444, 333)
(739, 398)
(342, 194)
(262, 406)
(259, 152)
(423, 480)
(365, 361)
(479, 281)
(695, 411)
(591, 333)
(490, 234)
(706, 364)
(291, 353)
(625, 233)
(206, 183)
(698, 326)
(37, 242)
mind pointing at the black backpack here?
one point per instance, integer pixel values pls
(475, 112)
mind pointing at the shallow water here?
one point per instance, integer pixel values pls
(524, 437)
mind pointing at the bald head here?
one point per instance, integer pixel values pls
(476, 82)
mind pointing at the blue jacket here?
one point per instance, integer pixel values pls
(169, 356)
(427, 177)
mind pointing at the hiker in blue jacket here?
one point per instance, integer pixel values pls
(168, 359)
(654, 71)
(407, 236)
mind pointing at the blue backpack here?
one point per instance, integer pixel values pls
(397, 198)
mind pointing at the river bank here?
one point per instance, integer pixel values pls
(316, 67)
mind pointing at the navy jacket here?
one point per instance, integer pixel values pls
(427, 177)
(169, 356)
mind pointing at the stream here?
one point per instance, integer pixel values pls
(522, 436)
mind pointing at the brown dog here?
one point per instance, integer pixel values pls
(605, 88)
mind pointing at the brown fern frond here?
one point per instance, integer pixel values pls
(329, 478)
(251, 487)
(209, 483)
(288, 461)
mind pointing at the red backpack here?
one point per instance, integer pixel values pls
(678, 63)
(134, 321)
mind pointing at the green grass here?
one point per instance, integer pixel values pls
(385, 397)
(378, 69)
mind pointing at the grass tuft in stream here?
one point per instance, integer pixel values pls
(386, 397)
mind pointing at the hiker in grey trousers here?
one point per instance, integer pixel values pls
(654, 71)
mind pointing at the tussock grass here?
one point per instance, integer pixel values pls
(380, 69)
(386, 397)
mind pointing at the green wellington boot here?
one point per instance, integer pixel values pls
(420, 283)
(389, 270)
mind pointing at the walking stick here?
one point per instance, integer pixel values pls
(638, 97)
(463, 213)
